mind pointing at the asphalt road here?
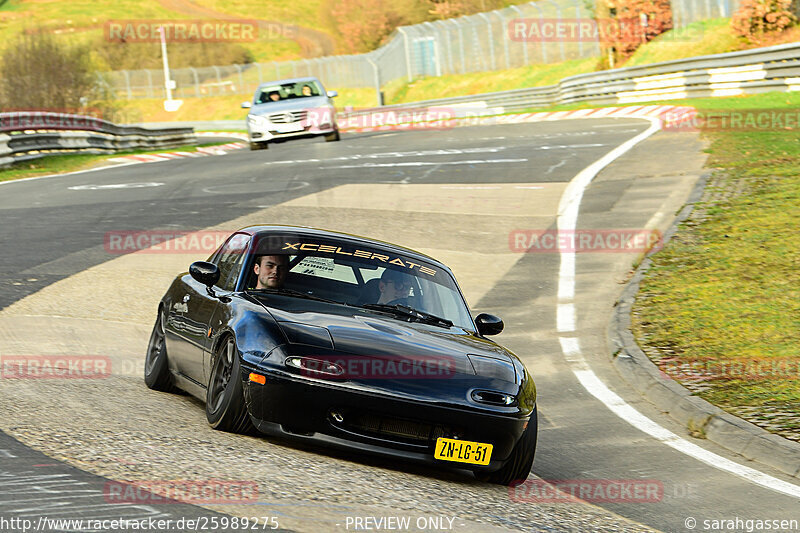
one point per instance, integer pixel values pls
(54, 228)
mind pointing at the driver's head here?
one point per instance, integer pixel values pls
(271, 271)
(393, 285)
(306, 90)
(274, 96)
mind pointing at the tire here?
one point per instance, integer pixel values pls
(519, 464)
(332, 137)
(225, 407)
(259, 146)
(156, 367)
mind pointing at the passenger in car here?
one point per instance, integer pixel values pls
(394, 287)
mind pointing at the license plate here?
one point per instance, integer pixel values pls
(289, 128)
(463, 451)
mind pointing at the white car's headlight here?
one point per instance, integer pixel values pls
(256, 120)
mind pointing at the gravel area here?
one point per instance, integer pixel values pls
(117, 428)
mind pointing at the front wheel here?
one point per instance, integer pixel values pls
(156, 368)
(225, 407)
(259, 146)
(519, 464)
(331, 137)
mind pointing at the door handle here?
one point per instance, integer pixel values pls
(186, 298)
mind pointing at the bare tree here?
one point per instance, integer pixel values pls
(36, 72)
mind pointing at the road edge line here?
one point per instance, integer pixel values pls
(568, 211)
(725, 429)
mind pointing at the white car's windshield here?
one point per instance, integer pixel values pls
(289, 91)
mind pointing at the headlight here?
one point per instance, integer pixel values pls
(256, 120)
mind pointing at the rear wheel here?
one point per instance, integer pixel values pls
(225, 407)
(156, 368)
(519, 464)
(259, 146)
(331, 137)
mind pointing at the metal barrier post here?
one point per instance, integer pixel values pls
(196, 82)
(377, 79)
(525, 41)
(491, 38)
(407, 52)
(128, 84)
(504, 28)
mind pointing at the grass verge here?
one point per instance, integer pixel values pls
(61, 164)
(719, 310)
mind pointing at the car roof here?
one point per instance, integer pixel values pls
(318, 232)
(287, 80)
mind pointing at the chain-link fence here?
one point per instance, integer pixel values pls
(544, 31)
(476, 43)
(685, 12)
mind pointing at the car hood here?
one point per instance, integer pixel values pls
(319, 327)
(289, 105)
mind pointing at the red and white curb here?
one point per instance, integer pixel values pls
(201, 151)
(669, 115)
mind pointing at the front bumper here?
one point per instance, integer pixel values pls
(304, 409)
(267, 131)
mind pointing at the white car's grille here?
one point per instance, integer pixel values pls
(288, 117)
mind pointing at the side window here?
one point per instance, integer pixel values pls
(230, 260)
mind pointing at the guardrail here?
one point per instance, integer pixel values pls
(774, 68)
(29, 135)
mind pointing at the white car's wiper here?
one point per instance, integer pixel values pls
(410, 312)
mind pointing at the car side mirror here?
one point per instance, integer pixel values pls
(488, 324)
(204, 272)
(247, 105)
(332, 94)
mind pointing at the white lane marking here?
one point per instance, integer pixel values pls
(388, 155)
(617, 405)
(557, 165)
(570, 203)
(425, 153)
(9, 182)
(428, 163)
(494, 187)
(115, 186)
(565, 317)
(568, 210)
(470, 187)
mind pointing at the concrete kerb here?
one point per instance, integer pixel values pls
(700, 417)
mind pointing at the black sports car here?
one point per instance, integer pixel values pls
(346, 341)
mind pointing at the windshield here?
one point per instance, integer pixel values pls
(289, 91)
(356, 275)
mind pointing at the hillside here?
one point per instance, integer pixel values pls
(287, 30)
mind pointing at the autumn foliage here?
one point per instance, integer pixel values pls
(364, 25)
(620, 23)
(756, 18)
